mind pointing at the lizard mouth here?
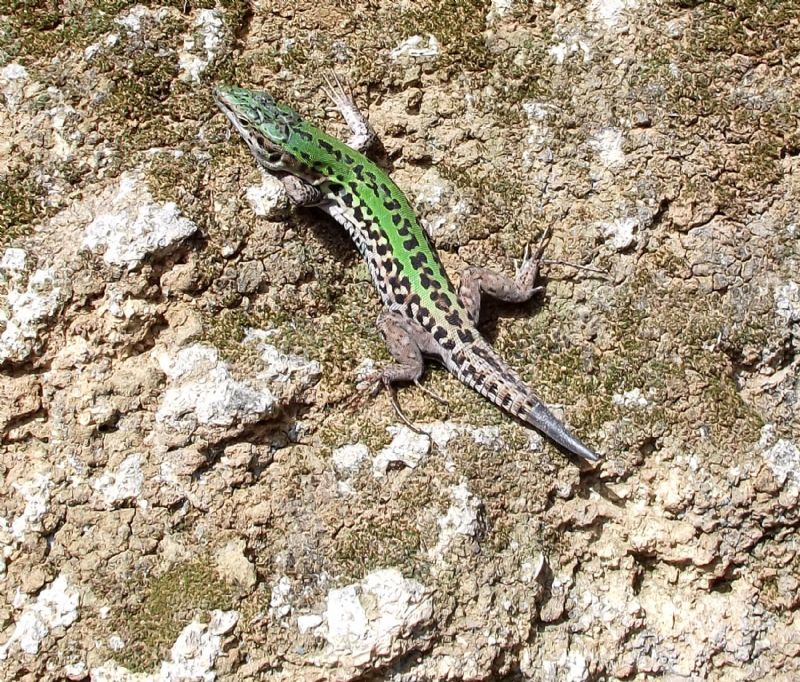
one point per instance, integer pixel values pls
(226, 107)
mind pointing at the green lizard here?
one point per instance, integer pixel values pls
(423, 314)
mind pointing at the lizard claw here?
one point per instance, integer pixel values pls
(375, 381)
(431, 393)
(336, 91)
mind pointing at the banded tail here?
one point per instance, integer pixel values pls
(480, 368)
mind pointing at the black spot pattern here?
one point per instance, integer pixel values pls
(411, 243)
(418, 260)
(454, 318)
(465, 335)
(445, 301)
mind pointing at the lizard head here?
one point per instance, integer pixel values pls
(265, 124)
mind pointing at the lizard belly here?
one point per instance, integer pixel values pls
(366, 244)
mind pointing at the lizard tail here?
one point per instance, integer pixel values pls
(480, 368)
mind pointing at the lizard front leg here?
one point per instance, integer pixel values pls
(477, 281)
(302, 193)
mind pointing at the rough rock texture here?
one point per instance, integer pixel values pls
(192, 483)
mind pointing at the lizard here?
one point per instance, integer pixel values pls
(424, 315)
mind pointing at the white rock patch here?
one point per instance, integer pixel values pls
(203, 391)
(632, 398)
(132, 20)
(268, 199)
(308, 622)
(36, 493)
(348, 458)
(569, 46)
(13, 79)
(610, 13)
(280, 367)
(123, 484)
(783, 459)
(55, 606)
(461, 518)
(407, 447)
(787, 302)
(441, 207)
(498, 10)
(443, 432)
(134, 226)
(363, 620)
(197, 647)
(620, 234)
(25, 309)
(416, 48)
(13, 262)
(207, 36)
(280, 606)
(608, 145)
(192, 657)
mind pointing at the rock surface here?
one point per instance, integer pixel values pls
(193, 484)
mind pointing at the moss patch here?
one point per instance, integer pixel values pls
(711, 93)
(675, 347)
(21, 205)
(163, 606)
(392, 534)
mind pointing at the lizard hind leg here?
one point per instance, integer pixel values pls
(478, 281)
(404, 346)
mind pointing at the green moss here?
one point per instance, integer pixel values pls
(40, 29)
(388, 535)
(182, 180)
(164, 605)
(677, 346)
(134, 113)
(764, 29)
(306, 50)
(499, 200)
(459, 27)
(21, 205)
(391, 542)
(701, 86)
